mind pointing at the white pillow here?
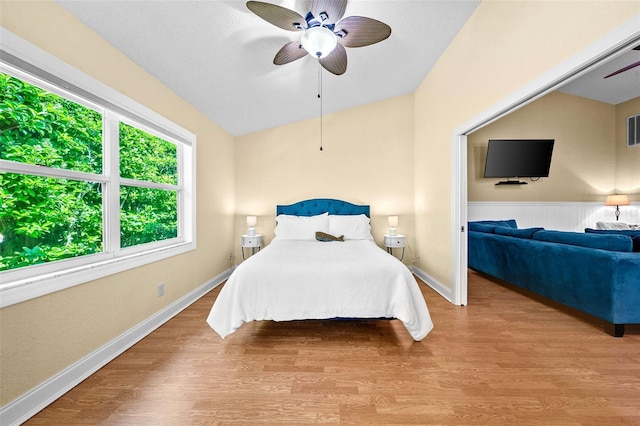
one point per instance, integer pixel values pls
(612, 225)
(290, 227)
(353, 227)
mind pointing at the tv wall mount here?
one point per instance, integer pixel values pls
(511, 182)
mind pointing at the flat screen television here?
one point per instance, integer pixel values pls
(516, 158)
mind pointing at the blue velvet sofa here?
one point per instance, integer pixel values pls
(595, 273)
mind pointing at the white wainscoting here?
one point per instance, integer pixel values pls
(562, 216)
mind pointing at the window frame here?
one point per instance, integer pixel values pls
(56, 76)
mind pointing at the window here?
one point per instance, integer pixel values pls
(633, 130)
(149, 193)
(88, 186)
(48, 216)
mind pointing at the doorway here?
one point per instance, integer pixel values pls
(616, 43)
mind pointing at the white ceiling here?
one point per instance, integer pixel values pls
(218, 55)
(613, 90)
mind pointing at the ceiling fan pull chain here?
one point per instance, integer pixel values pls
(320, 98)
(319, 81)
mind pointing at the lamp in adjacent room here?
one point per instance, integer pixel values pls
(393, 223)
(251, 223)
(617, 200)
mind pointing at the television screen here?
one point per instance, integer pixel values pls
(513, 158)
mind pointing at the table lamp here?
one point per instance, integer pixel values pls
(393, 223)
(617, 200)
(251, 223)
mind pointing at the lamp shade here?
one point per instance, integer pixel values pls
(319, 41)
(617, 200)
(251, 223)
(393, 221)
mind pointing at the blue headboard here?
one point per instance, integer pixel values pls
(317, 206)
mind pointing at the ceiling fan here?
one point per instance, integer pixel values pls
(627, 68)
(324, 33)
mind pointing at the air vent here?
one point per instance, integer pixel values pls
(633, 130)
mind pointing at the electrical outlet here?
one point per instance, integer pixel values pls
(160, 289)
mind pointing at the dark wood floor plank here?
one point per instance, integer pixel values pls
(504, 359)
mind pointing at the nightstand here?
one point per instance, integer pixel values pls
(395, 241)
(254, 242)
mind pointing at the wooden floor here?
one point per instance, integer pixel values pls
(504, 359)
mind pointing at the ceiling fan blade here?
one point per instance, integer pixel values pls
(627, 68)
(333, 8)
(289, 53)
(279, 16)
(336, 61)
(360, 31)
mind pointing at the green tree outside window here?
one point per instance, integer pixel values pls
(44, 218)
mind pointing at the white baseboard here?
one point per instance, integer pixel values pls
(30, 403)
(440, 288)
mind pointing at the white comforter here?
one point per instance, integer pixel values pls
(292, 280)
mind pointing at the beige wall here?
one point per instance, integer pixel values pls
(583, 166)
(42, 336)
(394, 155)
(367, 159)
(627, 158)
(504, 46)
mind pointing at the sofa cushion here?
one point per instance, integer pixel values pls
(481, 227)
(634, 234)
(510, 223)
(518, 233)
(590, 240)
(627, 232)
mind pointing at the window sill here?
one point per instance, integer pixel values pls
(23, 290)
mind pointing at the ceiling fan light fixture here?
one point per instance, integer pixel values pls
(319, 41)
(325, 33)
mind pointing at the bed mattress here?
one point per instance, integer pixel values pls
(302, 279)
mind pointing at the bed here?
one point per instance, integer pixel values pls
(298, 277)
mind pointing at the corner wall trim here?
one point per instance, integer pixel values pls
(30, 403)
(436, 285)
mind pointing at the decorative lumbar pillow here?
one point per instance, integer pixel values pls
(323, 236)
